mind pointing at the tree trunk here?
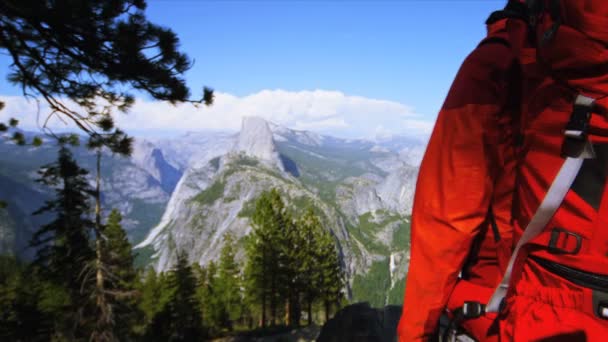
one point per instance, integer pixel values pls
(273, 299)
(264, 275)
(296, 311)
(288, 309)
(327, 308)
(309, 309)
(104, 320)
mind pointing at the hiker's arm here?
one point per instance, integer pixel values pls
(453, 190)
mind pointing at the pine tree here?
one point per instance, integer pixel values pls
(118, 142)
(291, 243)
(266, 258)
(310, 229)
(330, 275)
(92, 53)
(228, 283)
(121, 282)
(154, 297)
(209, 293)
(22, 317)
(180, 319)
(63, 245)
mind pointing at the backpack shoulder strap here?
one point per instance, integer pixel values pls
(514, 10)
(554, 196)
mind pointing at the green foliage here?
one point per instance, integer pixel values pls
(143, 256)
(147, 215)
(401, 236)
(18, 138)
(23, 316)
(106, 123)
(180, 319)
(368, 240)
(123, 52)
(395, 295)
(13, 122)
(154, 296)
(70, 139)
(373, 286)
(122, 279)
(247, 161)
(37, 142)
(367, 229)
(208, 296)
(248, 209)
(331, 274)
(310, 230)
(3, 204)
(63, 248)
(266, 264)
(211, 194)
(219, 290)
(117, 141)
(289, 261)
(229, 282)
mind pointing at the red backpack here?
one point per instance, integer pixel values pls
(559, 268)
(561, 199)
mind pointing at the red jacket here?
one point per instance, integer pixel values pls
(575, 61)
(547, 299)
(468, 167)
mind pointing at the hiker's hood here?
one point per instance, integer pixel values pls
(578, 54)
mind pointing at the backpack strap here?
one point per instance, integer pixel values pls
(575, 153)
(514, 10)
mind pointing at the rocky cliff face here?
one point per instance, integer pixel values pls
(363, 191)
(256, 141)
(139, 187)
(185, 193)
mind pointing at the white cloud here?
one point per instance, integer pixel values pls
(330, 112)
(324, 124)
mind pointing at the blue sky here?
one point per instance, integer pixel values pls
(404, 52)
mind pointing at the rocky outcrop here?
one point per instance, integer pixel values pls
(360, 322)
(149, 157)
(397, 189)
(338, 177)
(256, 141)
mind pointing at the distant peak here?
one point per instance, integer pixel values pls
(255, 139)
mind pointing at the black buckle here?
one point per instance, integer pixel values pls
(600, 304)
(555, 238)
(576, 131)
(473, 309)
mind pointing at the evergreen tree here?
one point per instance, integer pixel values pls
(154, 297)
(290, 243)
(310, 229)
(180, 319)
(228, 283)
(118, 142)
(63, 245)
(209, 292)
(266, 258)
(22, 317)
(92, 53)
(330, 275)
(121, 283)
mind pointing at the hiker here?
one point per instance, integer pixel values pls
(461, 219)
(558, 282)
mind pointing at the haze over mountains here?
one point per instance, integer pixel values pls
(183, 194)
